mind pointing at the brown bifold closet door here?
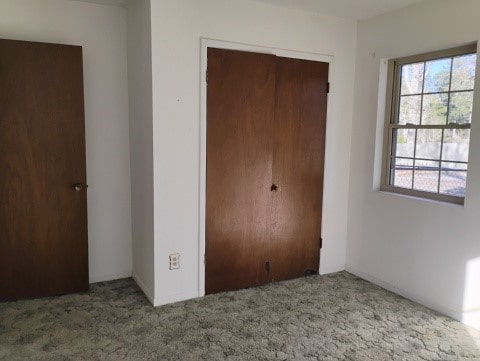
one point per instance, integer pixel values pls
(298, 165)
(266, 120)
(43, 208)
(240, 124)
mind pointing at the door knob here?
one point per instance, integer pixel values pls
(78, 187)
(274, 187)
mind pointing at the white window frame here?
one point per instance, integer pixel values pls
(392, 114)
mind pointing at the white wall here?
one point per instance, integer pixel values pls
(141, 142)
(101, 30)
(177, 27)
(427, 251)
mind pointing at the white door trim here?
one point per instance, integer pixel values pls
(210, 43)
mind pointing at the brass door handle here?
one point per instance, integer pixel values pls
(78, 187)
(274, 188)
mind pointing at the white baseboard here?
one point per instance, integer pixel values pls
(330, 270)
(160, 301)
(144, 289)
(457, 315)
(111, 277)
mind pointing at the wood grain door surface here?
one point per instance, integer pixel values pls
(298, 162)
(266, 118)
(240, 106)
(43, 218)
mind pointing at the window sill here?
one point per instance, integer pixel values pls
(396, 193)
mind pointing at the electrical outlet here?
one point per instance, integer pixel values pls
(174, 261)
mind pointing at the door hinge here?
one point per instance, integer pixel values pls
(206, 76)
(328, 87)
(321, 242)
(204, 259)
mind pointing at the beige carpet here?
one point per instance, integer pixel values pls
(335, 317)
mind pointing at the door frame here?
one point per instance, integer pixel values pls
(206, 43)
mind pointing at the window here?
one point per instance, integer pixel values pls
(428, 124)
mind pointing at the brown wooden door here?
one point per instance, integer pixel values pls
(240, 113)
(266, 121)
(43, 219)
(298, 163)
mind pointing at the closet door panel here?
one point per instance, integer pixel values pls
(43, 207)
(298, 167)
(240, 114)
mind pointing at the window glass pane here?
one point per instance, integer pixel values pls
(437, 75)
(453, 179)
(404, 142)
(455, 145)
(430, 95)
(429, 143)
(410, 109)
(426, 176)
(460, 108)
(463, 72)
(402, 173)
(435, 108)
(412, 78)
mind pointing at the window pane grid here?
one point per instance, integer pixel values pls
(448, 104)
(429, 175)
(429, 128)
(428, 115)
(434, 93)
(441, 154)
(421, 110)
(428, 159)
(439, 92)
(415, 147)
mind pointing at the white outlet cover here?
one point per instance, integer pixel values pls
(174, 261)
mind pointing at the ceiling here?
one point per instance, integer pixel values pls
(107, 2)
(351, 9)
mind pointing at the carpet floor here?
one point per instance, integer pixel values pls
(333, 317)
